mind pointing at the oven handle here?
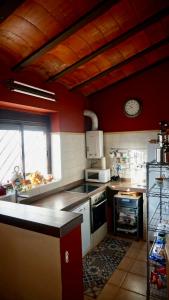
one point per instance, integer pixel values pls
(97, 205)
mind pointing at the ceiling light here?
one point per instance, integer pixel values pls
(23, 88)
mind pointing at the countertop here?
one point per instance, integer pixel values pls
(50, 214)
(42, 220)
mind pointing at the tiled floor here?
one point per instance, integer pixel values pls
(128, 282)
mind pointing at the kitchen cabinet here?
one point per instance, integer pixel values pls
(94, 144)
(40, 253)
(38, 266)
(85, 226)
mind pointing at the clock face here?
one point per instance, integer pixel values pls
(132, 107)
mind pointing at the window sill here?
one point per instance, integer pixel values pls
(36, 190)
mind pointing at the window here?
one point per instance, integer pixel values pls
(25, 144)
(10, 151)
(35, 149)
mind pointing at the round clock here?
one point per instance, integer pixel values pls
(132, 108)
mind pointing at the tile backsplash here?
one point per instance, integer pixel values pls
(72, 157)
(126, 153)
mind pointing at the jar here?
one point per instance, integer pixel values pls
(2, 190)
(166, 155)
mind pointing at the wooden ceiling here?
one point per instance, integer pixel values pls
(85, 45)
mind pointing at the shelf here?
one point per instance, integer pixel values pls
(158, 191)
(160, 216)
(155, 292)
(159, 222)
(158, 293)
(155, 164)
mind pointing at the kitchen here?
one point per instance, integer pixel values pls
(68, 124)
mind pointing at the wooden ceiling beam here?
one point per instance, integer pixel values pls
(121, 64)
(124, 36)
(147, 68)
(98, 10)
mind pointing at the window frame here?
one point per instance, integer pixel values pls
(21, 119)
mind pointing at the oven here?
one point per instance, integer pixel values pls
(98, 210)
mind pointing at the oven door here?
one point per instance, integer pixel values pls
(98, 214)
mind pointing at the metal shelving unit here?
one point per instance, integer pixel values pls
(157, 222)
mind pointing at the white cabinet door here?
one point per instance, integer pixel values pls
(85, 226)
(86, 229)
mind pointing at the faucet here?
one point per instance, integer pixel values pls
(17, 196)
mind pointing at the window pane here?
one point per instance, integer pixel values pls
(35, 149)
(10, 152)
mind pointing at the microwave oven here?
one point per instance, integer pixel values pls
(97, 175)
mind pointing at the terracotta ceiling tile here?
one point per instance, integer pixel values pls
(35, 14)
(51, 63)
(108, 26)
(165, 25)
(117, 74)
(90, 68)
(134, 66)
(113, 55)
(79, 75)
(66, 12)
(14, 45)
(126, 48)
(158, 54)
(141, 41)
(102, 62)
(67, 81)
(65, 54)
(146, 8)
(78, 45)
(124, 15)
(155, 32)
(23, 29)
(7, 58)
(92, 36)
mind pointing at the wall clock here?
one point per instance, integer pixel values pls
(132, 108)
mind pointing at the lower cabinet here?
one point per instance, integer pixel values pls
(85, 226)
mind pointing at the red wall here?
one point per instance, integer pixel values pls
(151, 87)
(67, 111)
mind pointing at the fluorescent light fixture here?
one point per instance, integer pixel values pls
(23, 88)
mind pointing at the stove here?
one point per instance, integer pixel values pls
(84, 188)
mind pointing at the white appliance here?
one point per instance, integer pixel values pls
(85, 226)
(94, 144)
(97, 175)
